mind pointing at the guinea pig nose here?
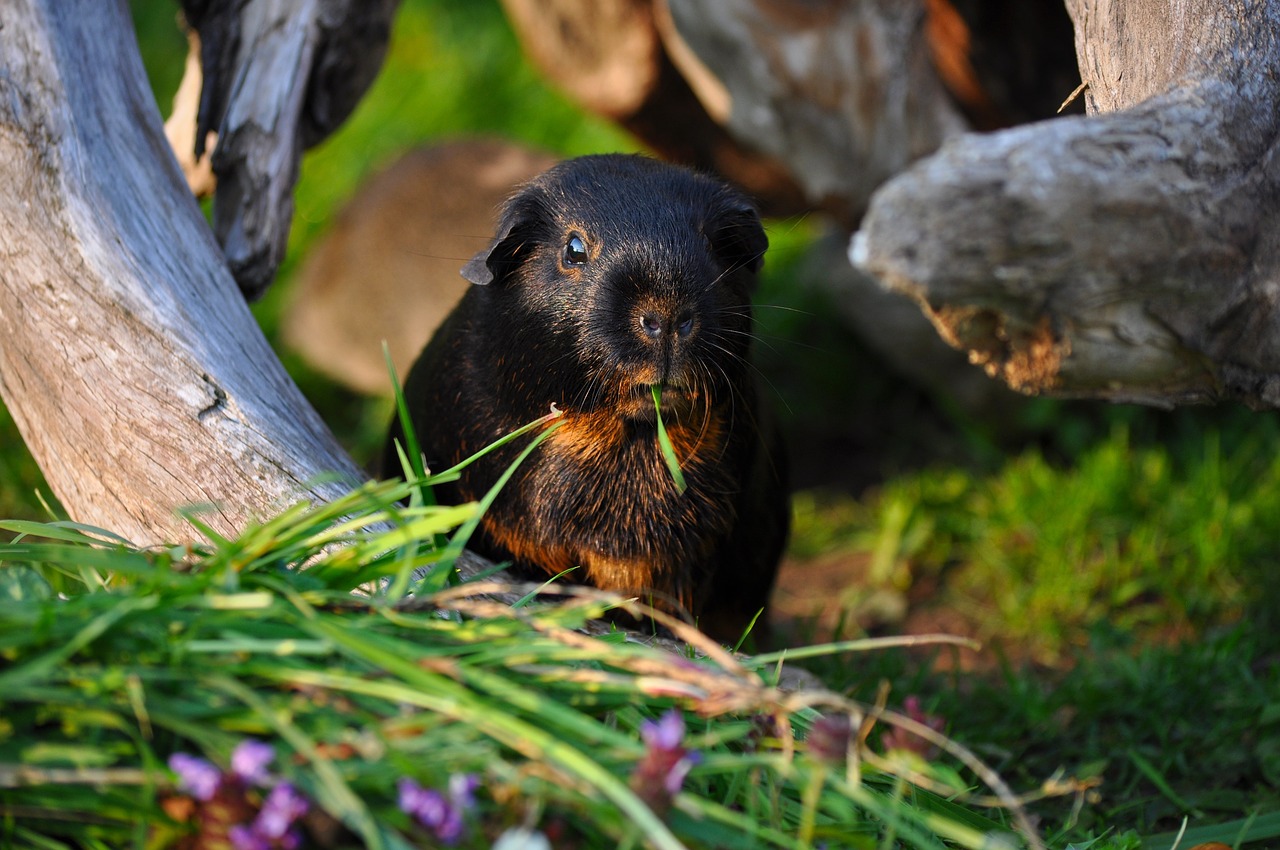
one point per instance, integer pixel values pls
(684, 323)
(651, 325)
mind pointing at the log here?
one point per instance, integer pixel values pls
(1131, 255)
(279, 76)
(807, 106)
(613, 58)
(845, 94)
(128, 358)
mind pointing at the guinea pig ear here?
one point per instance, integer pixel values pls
(508, 249)
(477, 268)
(738, 238)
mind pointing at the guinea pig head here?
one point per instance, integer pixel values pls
(614, 273)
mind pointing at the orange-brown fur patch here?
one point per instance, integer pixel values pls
(628, 577)
(590, 436)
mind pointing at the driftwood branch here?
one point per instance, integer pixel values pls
(278, 76)
(1131, 255)
(846, 94)
(128, 358)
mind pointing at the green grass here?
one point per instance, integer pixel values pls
(1037, 555)
(141, 654)
(1147, 738)
(1136, 580)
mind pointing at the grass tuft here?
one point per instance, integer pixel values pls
(195, 649)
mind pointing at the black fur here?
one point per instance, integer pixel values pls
(608, 274)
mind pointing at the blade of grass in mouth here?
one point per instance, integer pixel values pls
(664, 442)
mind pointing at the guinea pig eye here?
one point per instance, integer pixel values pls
(575, 251)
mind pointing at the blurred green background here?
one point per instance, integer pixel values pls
(1075, 538)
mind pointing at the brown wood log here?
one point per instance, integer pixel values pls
(128, 358)
(279, 76)
(782, 97)
(605, 54)
(1130, 255)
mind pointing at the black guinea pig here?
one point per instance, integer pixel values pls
(609, 274)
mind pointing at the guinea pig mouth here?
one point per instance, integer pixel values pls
(677, 401)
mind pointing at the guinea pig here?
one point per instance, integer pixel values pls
(607, 275)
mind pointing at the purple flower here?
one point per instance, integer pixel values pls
(424, 804)
(436, 812)
(247, 838)
(660, 773)
(283, 806)
(666, 734)
(462, 790)
(275, 824)
(249, 761)
(197, 777)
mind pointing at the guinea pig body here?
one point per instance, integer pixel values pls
(608, 275)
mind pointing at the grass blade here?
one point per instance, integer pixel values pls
(664, 442)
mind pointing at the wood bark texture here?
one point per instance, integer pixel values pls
(806, 105)
(1133, 254)
(614, 58)
(128, 358)
(279, 76)
(845, 94)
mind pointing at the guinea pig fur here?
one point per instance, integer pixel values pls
(609, 274)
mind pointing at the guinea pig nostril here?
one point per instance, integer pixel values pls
(684, 324)
(651, 325)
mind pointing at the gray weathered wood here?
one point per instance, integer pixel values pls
(846, 94)
(279, 76)
(1133, 254)
(128, 358)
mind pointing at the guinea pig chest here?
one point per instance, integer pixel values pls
(609, 275)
